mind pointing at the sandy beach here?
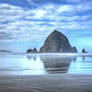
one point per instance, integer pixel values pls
(46, 83)
(45, 74)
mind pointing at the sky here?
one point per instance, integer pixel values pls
(26, 24)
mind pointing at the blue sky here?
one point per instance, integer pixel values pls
(26, 23)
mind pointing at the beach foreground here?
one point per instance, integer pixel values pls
(46, 83)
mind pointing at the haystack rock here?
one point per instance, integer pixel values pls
(32, 51)
(57, 42)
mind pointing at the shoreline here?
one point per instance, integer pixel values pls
(62, 54)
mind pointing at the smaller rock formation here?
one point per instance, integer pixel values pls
(84, 51)
(74, 50)
(32, 51)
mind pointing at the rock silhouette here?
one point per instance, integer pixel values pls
(32, 51)
(74, 50)
(84, 51)
(57, 42)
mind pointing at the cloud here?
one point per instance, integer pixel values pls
(4, 36)
(31, 2)
(18, 23)
(10, 13)
(42, 2)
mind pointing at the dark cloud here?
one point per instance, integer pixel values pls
(5, 36)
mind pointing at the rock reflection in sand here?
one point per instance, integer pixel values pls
(56, 64)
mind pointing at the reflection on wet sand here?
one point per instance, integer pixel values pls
(21, 65)
(57, 64)
(49, 64)
(36, 65)
(83, 65)
(83, 58)
(44, 64)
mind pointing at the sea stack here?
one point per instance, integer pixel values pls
(84, 51)
(57, 42)
(32, 51)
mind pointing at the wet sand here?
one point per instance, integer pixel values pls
(46, 83)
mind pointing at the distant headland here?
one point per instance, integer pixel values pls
(5, 51)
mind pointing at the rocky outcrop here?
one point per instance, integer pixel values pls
(32, 51)
(74, 50)
(57, 42)
(84, 51)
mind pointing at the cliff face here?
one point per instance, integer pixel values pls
(57, 42)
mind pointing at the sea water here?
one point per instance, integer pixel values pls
(40, 64)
